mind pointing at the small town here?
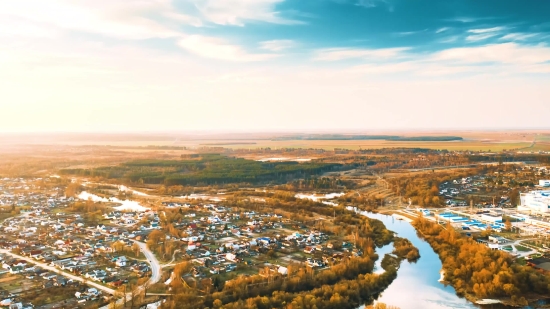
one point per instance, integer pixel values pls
(86, 259)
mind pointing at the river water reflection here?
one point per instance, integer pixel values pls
(417, 285)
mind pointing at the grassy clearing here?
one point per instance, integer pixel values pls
(545, 146)
(522, 248)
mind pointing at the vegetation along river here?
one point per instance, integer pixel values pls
(417, 284)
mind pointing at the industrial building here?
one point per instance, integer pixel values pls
(544, 183)
(535, 201)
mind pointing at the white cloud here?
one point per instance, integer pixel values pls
(442, 29)
(517, 36)
(507, 58)
(483, 33)
(486, 30)
(236, 12)
(125, 20)
(277, 45)
(335, 54)
(407, 33)
(449, 39)
(480, 37)
(215, 48)
(506, 53)
(463, 19)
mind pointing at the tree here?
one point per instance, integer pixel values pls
(145, 284)
(514, 197)
(508, 225)
(135, 291)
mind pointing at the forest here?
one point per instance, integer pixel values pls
(423, 189)
(371, 137)
(476, 271)
(208, 169)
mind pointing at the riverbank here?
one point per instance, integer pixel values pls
(418, 280)
(489, 272)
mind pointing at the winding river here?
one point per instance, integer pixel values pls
(417, 284)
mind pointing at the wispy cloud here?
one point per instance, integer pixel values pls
(277, 45)
(480, 37)
(505, 57)
(442, 29)
(483, 33)
(407, 33)
(506, 53)
(374, 3)
(468, 19)
(463, 19)
(517, 36)
(449, 39)
(215, 48)
(336, 54)
(237, 12)
(486, 30)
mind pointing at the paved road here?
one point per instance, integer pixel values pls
(58, 271)
(155, 265)
(153, 262)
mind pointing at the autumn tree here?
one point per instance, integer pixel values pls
(508, 225)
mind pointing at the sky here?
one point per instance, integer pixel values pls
(273, 65)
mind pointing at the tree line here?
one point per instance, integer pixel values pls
(476, 271)
(208, 169)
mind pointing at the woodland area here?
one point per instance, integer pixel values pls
(347, 284)
(207, 169)
(478, 272)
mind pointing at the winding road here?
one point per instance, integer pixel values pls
(153, 262)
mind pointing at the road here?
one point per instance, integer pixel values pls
(58, 271)
(153, 262)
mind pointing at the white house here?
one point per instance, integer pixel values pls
(121, 261)
(231, 257)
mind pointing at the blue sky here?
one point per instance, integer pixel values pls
(240, 65)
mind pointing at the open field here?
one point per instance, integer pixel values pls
(495, 146)
(539, 146)
(376, 144)
(543, 138)
(170, 144)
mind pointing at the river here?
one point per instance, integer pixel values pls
(417, 284)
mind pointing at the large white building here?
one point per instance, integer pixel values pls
(544, 183)
(535, 201)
